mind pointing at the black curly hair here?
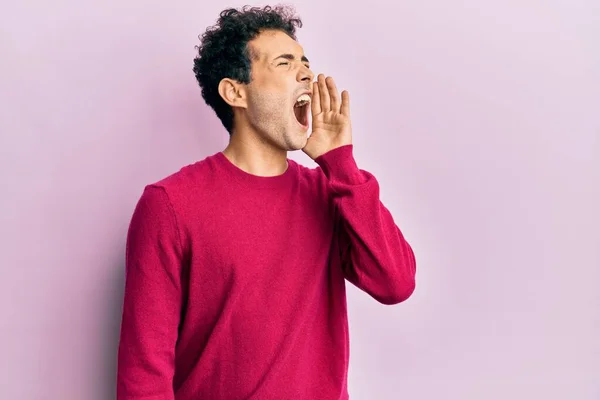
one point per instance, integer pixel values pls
(224, 51)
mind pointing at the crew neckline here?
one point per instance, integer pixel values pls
(256, 181)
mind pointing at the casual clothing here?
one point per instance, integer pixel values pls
(235, 283)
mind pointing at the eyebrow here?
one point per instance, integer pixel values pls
(292, 58)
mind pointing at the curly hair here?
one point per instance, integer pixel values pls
(224, 50)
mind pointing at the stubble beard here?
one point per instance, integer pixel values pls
(273, 125)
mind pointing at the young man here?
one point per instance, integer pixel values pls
(236, 264)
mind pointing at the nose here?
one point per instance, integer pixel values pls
(305, 74)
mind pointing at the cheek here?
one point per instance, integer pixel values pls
(269, 105)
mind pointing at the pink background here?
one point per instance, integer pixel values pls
(481, 122)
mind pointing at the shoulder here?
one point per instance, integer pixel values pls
(188, 178)
(313, 179)
(178, 188)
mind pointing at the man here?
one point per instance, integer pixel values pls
(236, 264)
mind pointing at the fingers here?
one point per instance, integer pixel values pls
(333, 94)
(323, 93)
(326, 97)
(345, 109)
(315, 104)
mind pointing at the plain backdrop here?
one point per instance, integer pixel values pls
(481, 121)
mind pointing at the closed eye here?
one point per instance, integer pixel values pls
(290, 57)
(287, 63)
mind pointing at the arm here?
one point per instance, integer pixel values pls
(375, 256)
(152, 301)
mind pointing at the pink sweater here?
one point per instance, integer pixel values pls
(235, 283)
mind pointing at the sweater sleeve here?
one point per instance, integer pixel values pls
(152, 301)
(375, 255)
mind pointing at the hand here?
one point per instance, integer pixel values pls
(331, 126)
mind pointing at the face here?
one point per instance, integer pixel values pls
(280, 76)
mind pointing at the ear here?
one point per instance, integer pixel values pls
(233, 93)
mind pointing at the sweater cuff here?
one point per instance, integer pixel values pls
(339, 165)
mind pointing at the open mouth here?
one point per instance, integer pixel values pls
(301, 110)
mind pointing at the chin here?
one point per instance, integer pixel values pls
(298, 145)
(296, 140)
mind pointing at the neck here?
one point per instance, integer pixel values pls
(255, 156)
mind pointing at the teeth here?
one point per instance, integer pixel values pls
(302, 100)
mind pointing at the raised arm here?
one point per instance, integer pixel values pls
(375, 255)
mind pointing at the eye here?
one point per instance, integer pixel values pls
(283, 63)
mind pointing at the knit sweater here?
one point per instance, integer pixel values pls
(235, 283)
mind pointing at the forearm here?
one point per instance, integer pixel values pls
(374, 253)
